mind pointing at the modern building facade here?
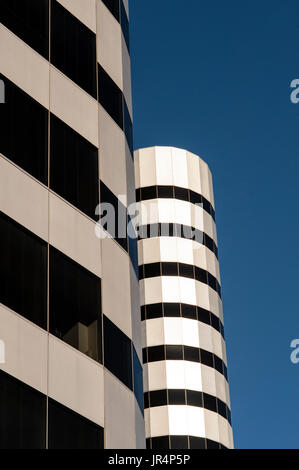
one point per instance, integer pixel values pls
(187, 403)
(70, 372)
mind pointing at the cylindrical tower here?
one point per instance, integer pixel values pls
(187, 402)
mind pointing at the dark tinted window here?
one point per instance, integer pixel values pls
(200, 275)
(138, 380)
(155, 353)
(113, 6)
(149, 192)
(181, 193)
(172, 310)
(186, 270)
(152, 270)
(117, 353)
(119, 229)
(133, 249)
(160, 442)
(176, 397)
(128, 127)
(23, 415)
(24, 131)
(203, 315)
(73, 48)
(74, 168)
(75, 305)
(165, 192)
(189, 311)
(206, 358)
(110, 97)
(125, 25)
(23, 271)
(179, 442)
(212, 444)
(158, 398)
(191, 354)
(194, 398)
(221, 408)
(169, 269)
(174, 352)
(197, 443)
(69, 430)
(153, 311)
(28, 19)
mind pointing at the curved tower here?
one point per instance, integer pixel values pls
(186, 397)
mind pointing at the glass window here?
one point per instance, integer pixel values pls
(154, 311)
(189, 311)
(158, 398)
(155, 354)
(206, 358)
(24, 131)
(172, 310)
(203, 316)
(149, 192)
(73, 48)
(179, 442)
(194, 398)
(110, 97)
(152, 270)
(191, 354)
(165, 192)
(28, 19)
(113, 6)
(200, 275)
(169, 269)
(23, 415)
(117, 353)
(74, 168)
(160, 442)
(186, 270)
(69, 430)
(197, 443)
(138, 380)
(174, 352)
(176, 397)
(181, 193)
(210, 402)
(125, 25)
(120, 227)
(75, 305)
(23, 271)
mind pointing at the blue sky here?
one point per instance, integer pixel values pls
(214, 77)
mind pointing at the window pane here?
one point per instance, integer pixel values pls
(113, 6)
(23, 415)
(119, 229)
(117, 353)
(24, 131)
(110, 97)
(73, 48)
(138, 381)
(28, 19)
(74, 168)
(75, 305)
(23, 271)
(69, 430)
(158, 398)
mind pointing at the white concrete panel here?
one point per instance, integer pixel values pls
(211, 425)
(190, 333)
(109, 44)
(187, 290)
(175, 374)
(164, 166)
(76, 381)
(26, 347)
(113, 170)
(205, 334)
(224, 432)
(84, 10)
(179, 168)
(196, 421)
(183, 212)
(159, 421)
(120, 431)
(152, 290)
(140, 428)
(221, 387)
(156, 373)
(151, 251)
(116, 292)
(24, 67)
(74, 234)
(178, 420)
(147, 168)
(208, 380)
(193, 379)
(74, 106)
(168, 249)
(173, 331)
(185, 251)
(23, 199)
(167, 212)
(193, 172)
(155, 332)
(171, 289)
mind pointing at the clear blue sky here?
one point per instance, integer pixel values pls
(214, 77)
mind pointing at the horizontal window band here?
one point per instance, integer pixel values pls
(177, 230)
(189, 271)
(182, 442)
(184, 353)
(169, 397)
(178, 310)
(174, 192)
